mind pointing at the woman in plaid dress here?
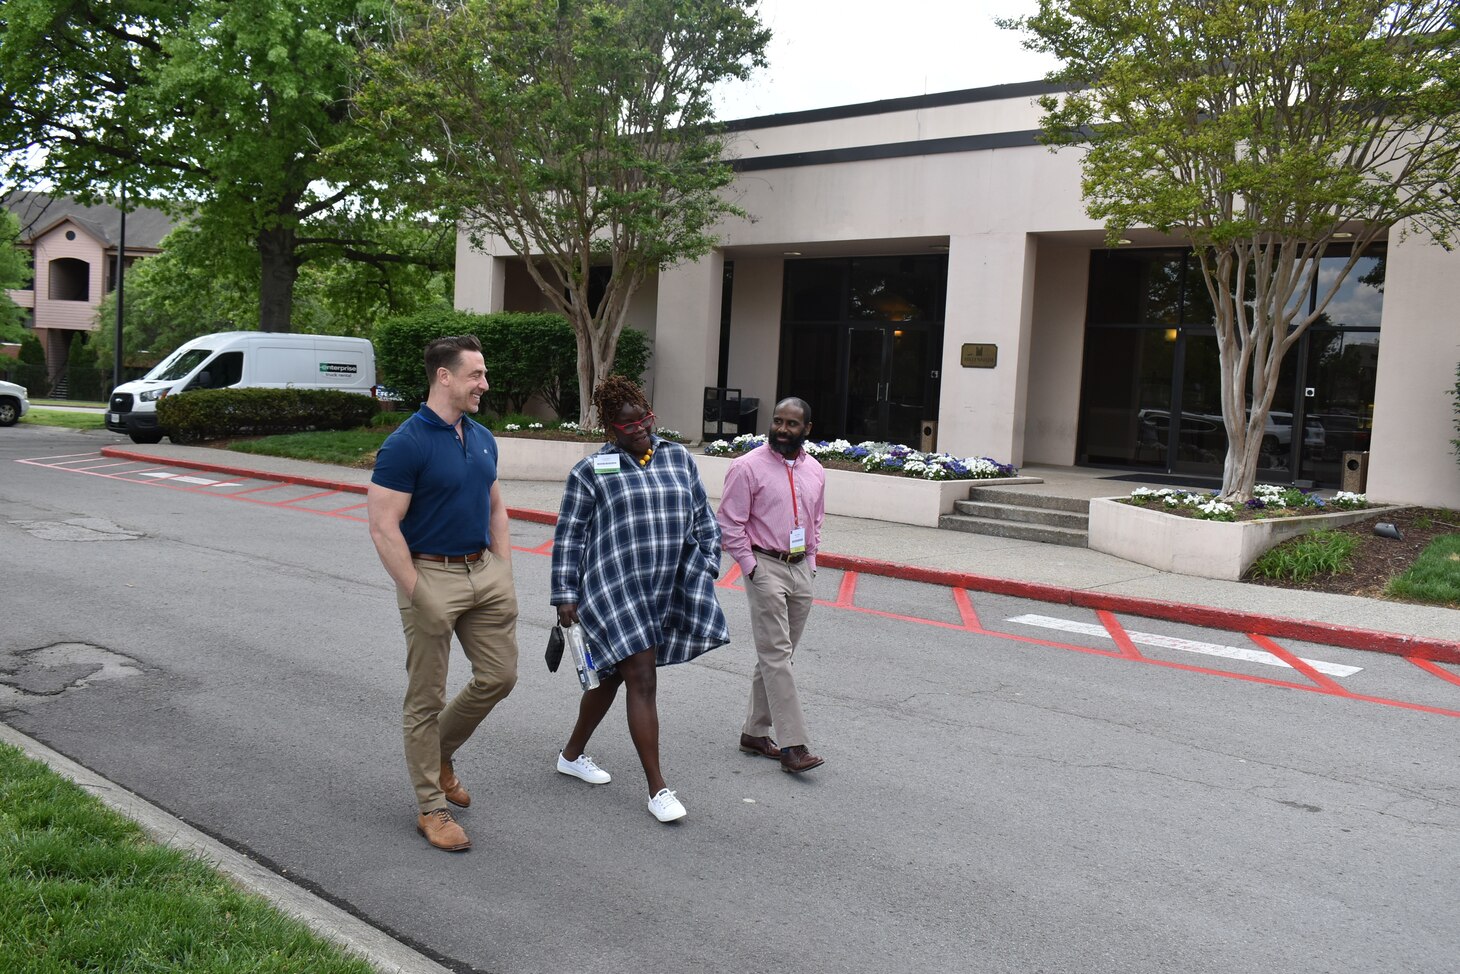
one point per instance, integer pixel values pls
(635, 557)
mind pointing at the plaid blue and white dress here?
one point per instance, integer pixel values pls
(639, 552)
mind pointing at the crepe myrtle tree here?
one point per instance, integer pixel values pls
(1261, 131)
(579, 133)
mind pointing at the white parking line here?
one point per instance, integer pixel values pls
(1185, 645)
(197, 481)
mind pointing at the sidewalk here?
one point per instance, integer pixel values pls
(1056, 573)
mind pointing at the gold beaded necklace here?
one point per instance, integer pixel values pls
(644, 460)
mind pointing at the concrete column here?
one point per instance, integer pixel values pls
(687, 342)
(1056, 355)
(481, 277)
(755, 332)
(990, 302)
(1411, 457)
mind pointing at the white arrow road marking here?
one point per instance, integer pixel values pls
(1185, 645)
(199, 481)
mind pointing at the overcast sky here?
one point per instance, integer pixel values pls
(840, 52)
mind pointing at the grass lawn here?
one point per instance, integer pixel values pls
(1434, 576)
(71, 421)
(67, 402)
(83, 889)
(350, 448)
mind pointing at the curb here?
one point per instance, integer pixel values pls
(356, 936)
(1348, 637)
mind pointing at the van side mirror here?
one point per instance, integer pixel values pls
(203, 381)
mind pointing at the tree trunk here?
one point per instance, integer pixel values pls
(280, 264)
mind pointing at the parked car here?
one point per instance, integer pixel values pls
(1208, 432)
(13, 403)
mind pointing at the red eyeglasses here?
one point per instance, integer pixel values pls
(639, 424)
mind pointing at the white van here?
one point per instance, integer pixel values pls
(242, 360)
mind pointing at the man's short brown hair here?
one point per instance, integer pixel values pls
(445, 353)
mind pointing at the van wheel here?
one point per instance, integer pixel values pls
(153, 437)
(9, 412)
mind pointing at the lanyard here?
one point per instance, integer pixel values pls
(795, 509)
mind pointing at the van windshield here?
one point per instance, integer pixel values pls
(180, 364)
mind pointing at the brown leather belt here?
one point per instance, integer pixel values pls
(785, 556)
(450, 559)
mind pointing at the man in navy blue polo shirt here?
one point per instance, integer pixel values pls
(440, 527)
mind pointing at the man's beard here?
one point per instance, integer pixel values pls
(790, 447)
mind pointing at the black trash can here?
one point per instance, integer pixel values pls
(749, 415)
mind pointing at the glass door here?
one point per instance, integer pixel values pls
(866, 404)
(890, 380)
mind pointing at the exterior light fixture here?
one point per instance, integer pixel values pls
(937, 246)
(1122, 242)
(790, 253)
(1342, 235)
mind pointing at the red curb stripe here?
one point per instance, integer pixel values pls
(846, 595)
(1292, 659)
(1429, 667)
(1117, 632)
(285, 478)
(1232, 620)
(966, 611)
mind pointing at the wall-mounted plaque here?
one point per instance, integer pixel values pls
(979, 356)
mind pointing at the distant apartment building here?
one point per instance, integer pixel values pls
(73, 251)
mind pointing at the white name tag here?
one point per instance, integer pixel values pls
(798, 541)
(605, 463)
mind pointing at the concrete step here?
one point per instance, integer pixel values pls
(1022, 498)
(1048, 534)
(1053, 517)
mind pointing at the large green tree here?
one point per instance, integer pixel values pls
(14, 271)
(195, 287)
(224, 110)
(1263, 132)
(577, 132)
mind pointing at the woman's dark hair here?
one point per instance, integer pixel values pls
(612, 395)
(446, 352)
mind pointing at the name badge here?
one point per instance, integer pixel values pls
(605, 463)
(798, 541)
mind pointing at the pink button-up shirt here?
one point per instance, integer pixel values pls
(755, 507)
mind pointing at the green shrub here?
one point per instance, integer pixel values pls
(83, 377)
(527, 354)
(211, 414)
(1315, 553)
(1456, 393)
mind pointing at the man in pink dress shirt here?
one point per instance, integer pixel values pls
(770, 522)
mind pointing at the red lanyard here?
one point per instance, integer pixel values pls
(795, 510)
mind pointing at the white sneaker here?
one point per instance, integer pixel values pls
(666, 807)
(585, 769)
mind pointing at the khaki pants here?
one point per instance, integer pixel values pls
(780, 601)
(478, 602)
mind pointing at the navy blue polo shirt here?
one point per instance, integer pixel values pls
(449, 480)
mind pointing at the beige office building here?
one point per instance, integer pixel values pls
(922, 271)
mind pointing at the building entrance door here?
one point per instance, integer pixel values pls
(887, 378)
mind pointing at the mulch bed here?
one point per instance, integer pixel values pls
(1376, 560)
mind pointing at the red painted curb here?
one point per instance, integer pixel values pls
(283, 478)
(1396, 644)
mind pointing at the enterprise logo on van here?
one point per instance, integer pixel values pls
(339, 368)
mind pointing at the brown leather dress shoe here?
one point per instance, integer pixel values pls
(441, 830)
(763, 746)
(796, 759)
(452, 787)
